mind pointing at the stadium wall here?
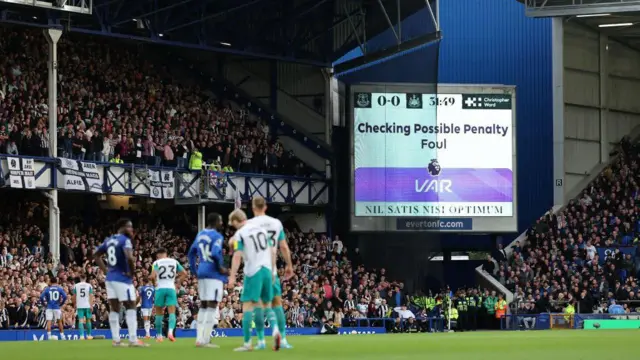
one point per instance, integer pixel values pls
(307, 222)
(601, 83)
(492, 42)
(484, 42)
(40, 335)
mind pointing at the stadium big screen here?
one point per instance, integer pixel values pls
(433, 162)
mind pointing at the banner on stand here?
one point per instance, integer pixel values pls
(162, 184)
(80, 176)
(22, 173)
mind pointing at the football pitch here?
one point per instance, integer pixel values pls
(534, 345)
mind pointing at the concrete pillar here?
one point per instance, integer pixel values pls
(604, 104)
(202, 217)
(53, 36)
(557, 64)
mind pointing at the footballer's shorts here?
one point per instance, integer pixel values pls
(166, 297)
(210, 289)
(145, 312)
(258, 287)
(277, 287)
(120, 291)
(53, 314)
(83, 313)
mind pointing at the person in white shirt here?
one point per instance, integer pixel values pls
(406, 318)
(164, 274)
(107, 149)
(256, 251)
(227, 312)
(363, 307)
(277, 237)
(591, 250)
(337, 244)
(83, 300)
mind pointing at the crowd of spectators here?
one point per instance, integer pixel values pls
(331, 285)
(559, 263)
(114, 103)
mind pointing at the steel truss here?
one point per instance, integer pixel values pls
(298, 31)
(73, 6)
(551, 8)
(359, 23)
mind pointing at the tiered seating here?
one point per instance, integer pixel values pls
(112, 103)
(561, 260)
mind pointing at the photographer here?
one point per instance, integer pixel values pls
(406, 319)
(328, 328)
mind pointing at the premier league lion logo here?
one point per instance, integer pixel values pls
(434, 167)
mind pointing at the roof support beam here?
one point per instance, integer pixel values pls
(318, 34)
(535, 8)
(386, 16)
(156, 11)
(310, 9)
(213, 16)
(435, 16)
(362, 43)
(179, 44)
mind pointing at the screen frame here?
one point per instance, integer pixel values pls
(363, 224)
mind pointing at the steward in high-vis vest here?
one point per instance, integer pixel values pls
(419, 302)
(472, 312)
(463, 306)
(501, 308)
(430, 302)
(195, 161)
(443, 301)
(569, 311)
(116, 160)
(482, 311)
(453, 316)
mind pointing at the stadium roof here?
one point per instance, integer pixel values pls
(305, 31)
(619, 19)
(547, 8)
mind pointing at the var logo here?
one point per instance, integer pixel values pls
(433, 186)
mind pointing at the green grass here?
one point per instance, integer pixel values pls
(535, 345)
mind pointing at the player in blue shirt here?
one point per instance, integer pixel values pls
(146, 294)
(212, 275)
(54, 296)
(120, 267)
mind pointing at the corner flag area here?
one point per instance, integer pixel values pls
(584, 345)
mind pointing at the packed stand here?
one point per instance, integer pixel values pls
(327, 289)
(114, 106)
(558, 267)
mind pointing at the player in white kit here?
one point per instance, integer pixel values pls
(254, 248)
(277, 238)
(83, 300)
(163, 274)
